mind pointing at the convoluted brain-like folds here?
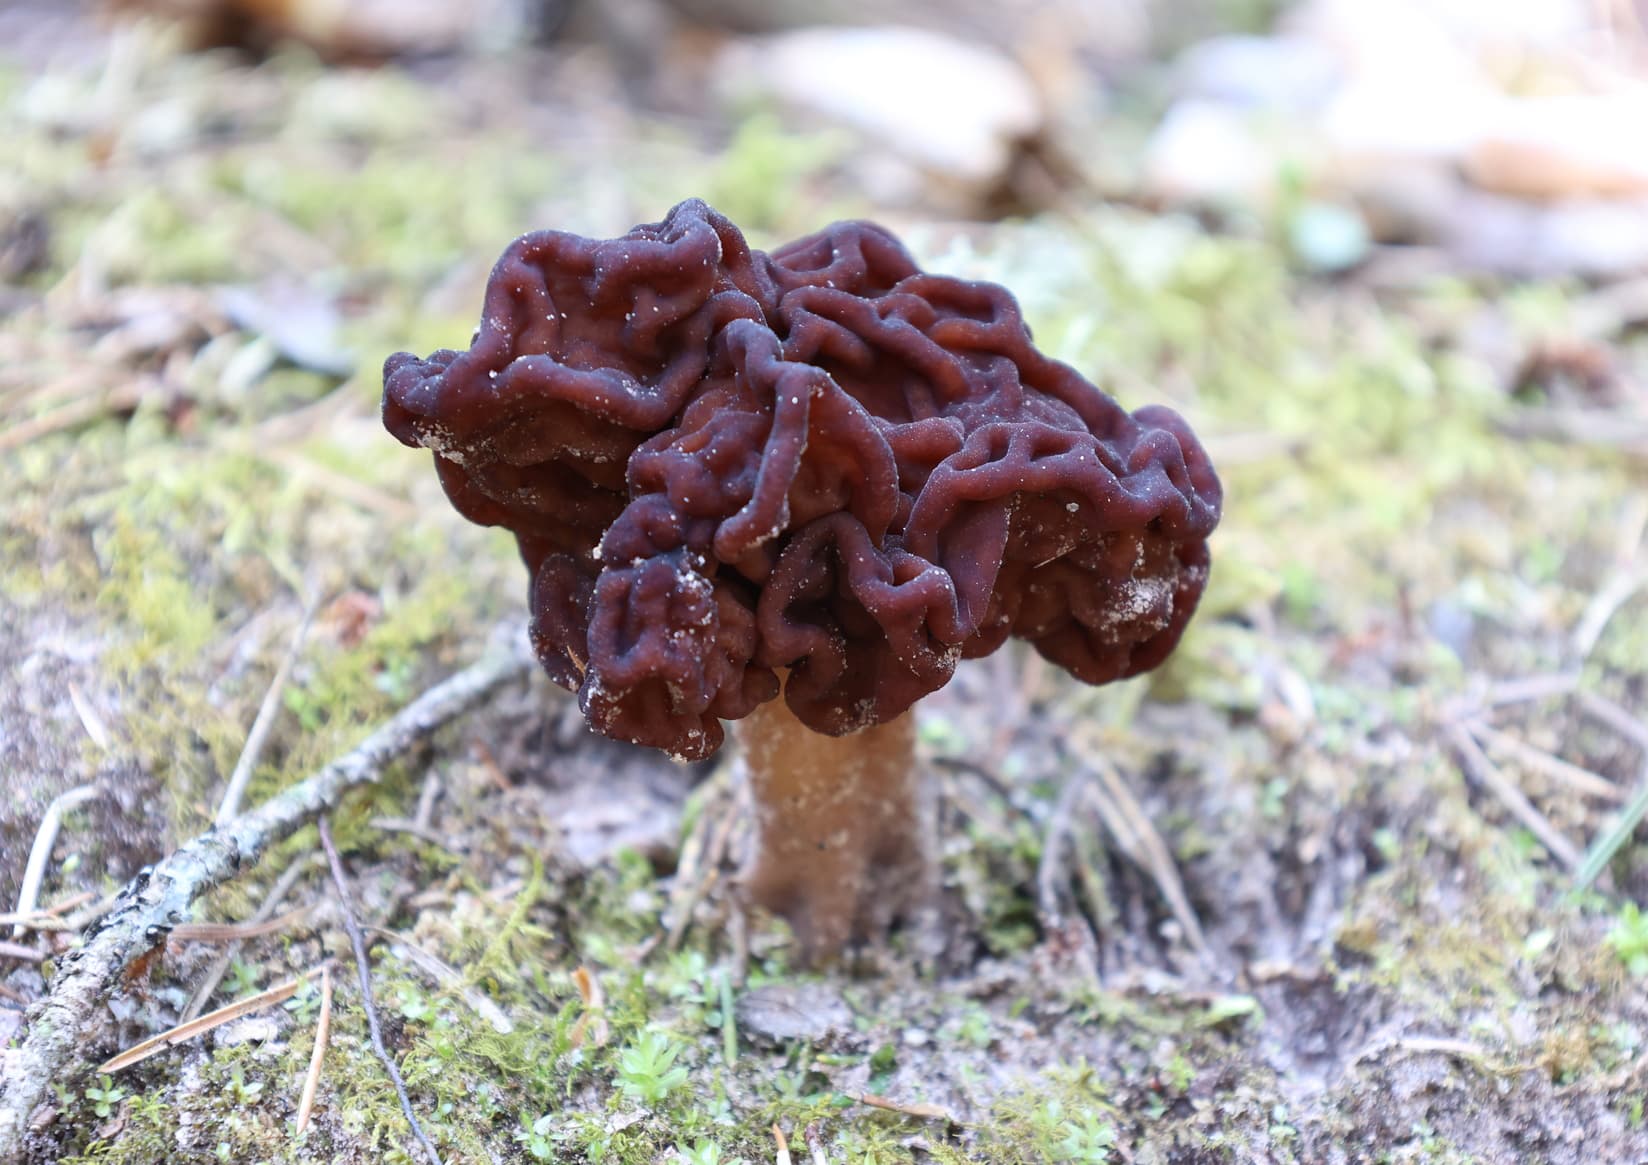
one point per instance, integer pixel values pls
(721, 464)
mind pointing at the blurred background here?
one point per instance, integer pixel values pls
(1390, 259)
(1505, 134)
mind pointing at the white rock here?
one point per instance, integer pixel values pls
(1268, 72)
(1599, 238)
(1379, 122)
(951, 106)
(1426, 40)
(1578, 146)
(1206, 152)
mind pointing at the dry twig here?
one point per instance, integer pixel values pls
(120, 399)
(411, 828)
(923, 1111)
(447, 978)
(1052, 875)
(189, 1029)
(89, 719)
(323, 1033)
(34, 872)
(1131, 826)
(701, 856)
(1403, 1047)
(332, 483)
(1630, 816)
(363, 971)
(1619, 831)
(1579, 779)
(236, 932)
(20, 953)
(1478, 765)
(592, 1024)
(1600, 428)
(815, 1144)
(160, 898)
(263, 721)
(1518, 691)
(1605, 710)
(50, 918)
(265, 911)
(1619, 589)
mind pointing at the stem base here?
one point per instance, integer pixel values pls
(844, 828)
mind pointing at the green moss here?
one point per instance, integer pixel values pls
(766, 178)
(1062, 1119)
(1343, 427)
(148, 588)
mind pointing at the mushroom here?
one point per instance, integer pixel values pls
(820, 472)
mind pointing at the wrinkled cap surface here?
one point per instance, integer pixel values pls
(722, 465)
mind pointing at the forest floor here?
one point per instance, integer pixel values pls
(1313, 895)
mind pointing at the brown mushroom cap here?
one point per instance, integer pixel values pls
(721, 463)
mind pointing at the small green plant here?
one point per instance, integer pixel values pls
(242, 979)
(1180, 1073)
(105, 1096)
(1071, 1140)
(1280, 1128)
(1629, 938)
(305, 1005)
(647, 1071)
(702, 1153)
(1086, 1141)
(536, 1137)
(884, 1059)
(420, 1008)
(974, 1028)
(241, 1090)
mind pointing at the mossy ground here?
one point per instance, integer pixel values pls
(1392, 967)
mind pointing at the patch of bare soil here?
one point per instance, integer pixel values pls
(53, 739)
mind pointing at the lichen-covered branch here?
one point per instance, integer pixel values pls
(161, 896)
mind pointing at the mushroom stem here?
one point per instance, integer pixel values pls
(844, 828)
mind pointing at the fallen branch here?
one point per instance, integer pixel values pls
(159, 898)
